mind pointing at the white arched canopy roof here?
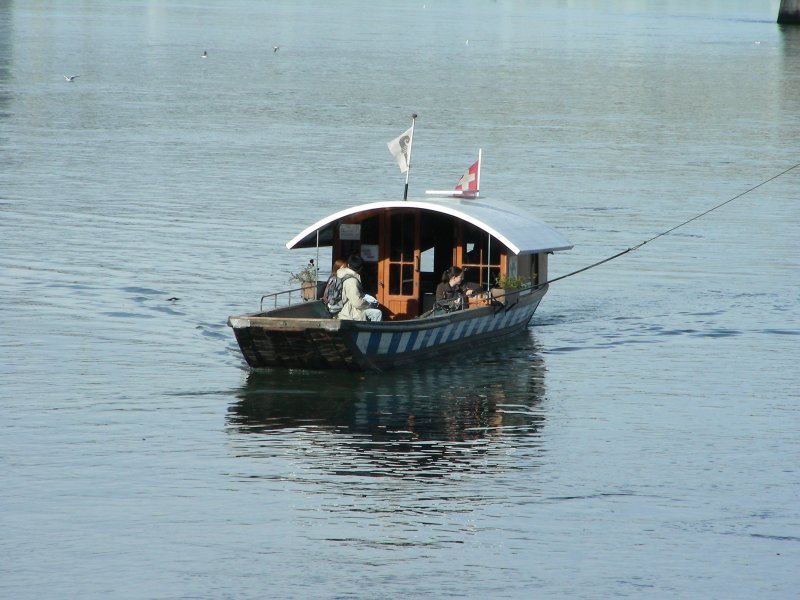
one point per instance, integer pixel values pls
(519, 232)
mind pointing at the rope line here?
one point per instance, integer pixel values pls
(668, 231)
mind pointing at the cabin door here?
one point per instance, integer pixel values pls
(398, 271)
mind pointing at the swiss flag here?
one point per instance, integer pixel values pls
(469, 180)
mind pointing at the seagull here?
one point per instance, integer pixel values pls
(71, 78)
(205, 54)
(275, 49)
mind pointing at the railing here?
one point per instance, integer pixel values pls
(295, 295)
(281, 299)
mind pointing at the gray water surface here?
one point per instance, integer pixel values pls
(639, 440)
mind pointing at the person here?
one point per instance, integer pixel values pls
(356, 307)
(452, 292)
(337, 264)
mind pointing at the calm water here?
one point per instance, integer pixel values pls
(640, 440)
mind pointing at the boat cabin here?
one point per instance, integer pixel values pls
(407, 245)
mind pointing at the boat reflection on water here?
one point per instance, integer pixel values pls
(424, 422)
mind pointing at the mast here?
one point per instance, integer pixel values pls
(478, 176)
(410, 143)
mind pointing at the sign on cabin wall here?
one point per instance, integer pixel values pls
(350, 231)
(369, 252)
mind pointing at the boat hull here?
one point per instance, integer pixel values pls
(302, 338)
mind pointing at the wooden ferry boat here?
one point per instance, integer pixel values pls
(406, 245)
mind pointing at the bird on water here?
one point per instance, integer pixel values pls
(71, 77)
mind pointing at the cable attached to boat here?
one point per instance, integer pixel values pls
(655, 237)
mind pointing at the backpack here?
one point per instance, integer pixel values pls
(332, 296)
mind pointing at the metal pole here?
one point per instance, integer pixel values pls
(478, 175)
(410, 143)
(489, 264)
(316, 276)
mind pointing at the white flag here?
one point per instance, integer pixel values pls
(400, 147)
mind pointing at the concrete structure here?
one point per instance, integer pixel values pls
(789, 13)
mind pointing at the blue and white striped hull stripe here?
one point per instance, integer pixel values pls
(374, 343)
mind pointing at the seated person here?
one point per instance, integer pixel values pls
(337, 264)
(452, 292)
(356, 306)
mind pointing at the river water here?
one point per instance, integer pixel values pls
(639, 440)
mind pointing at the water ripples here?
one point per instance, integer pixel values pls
(639, 439)
(391, 425)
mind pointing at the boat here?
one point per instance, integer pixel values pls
(406, 245)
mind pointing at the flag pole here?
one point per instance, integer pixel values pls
(478, 179)
(410, 143)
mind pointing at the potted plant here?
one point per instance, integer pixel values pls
(506, 288)
(307, 278)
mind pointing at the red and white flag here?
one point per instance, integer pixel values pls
(468, 186)
(469, 180)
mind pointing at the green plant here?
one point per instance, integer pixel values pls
(507, 282)
(307, 273)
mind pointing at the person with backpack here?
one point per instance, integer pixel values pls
(355, 307)
(337, 264)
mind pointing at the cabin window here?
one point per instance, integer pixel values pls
(528, 267)
(401, 279)
(402, 248)
(370, 230)
(402, 237)
(534, 277)
(479, 254)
